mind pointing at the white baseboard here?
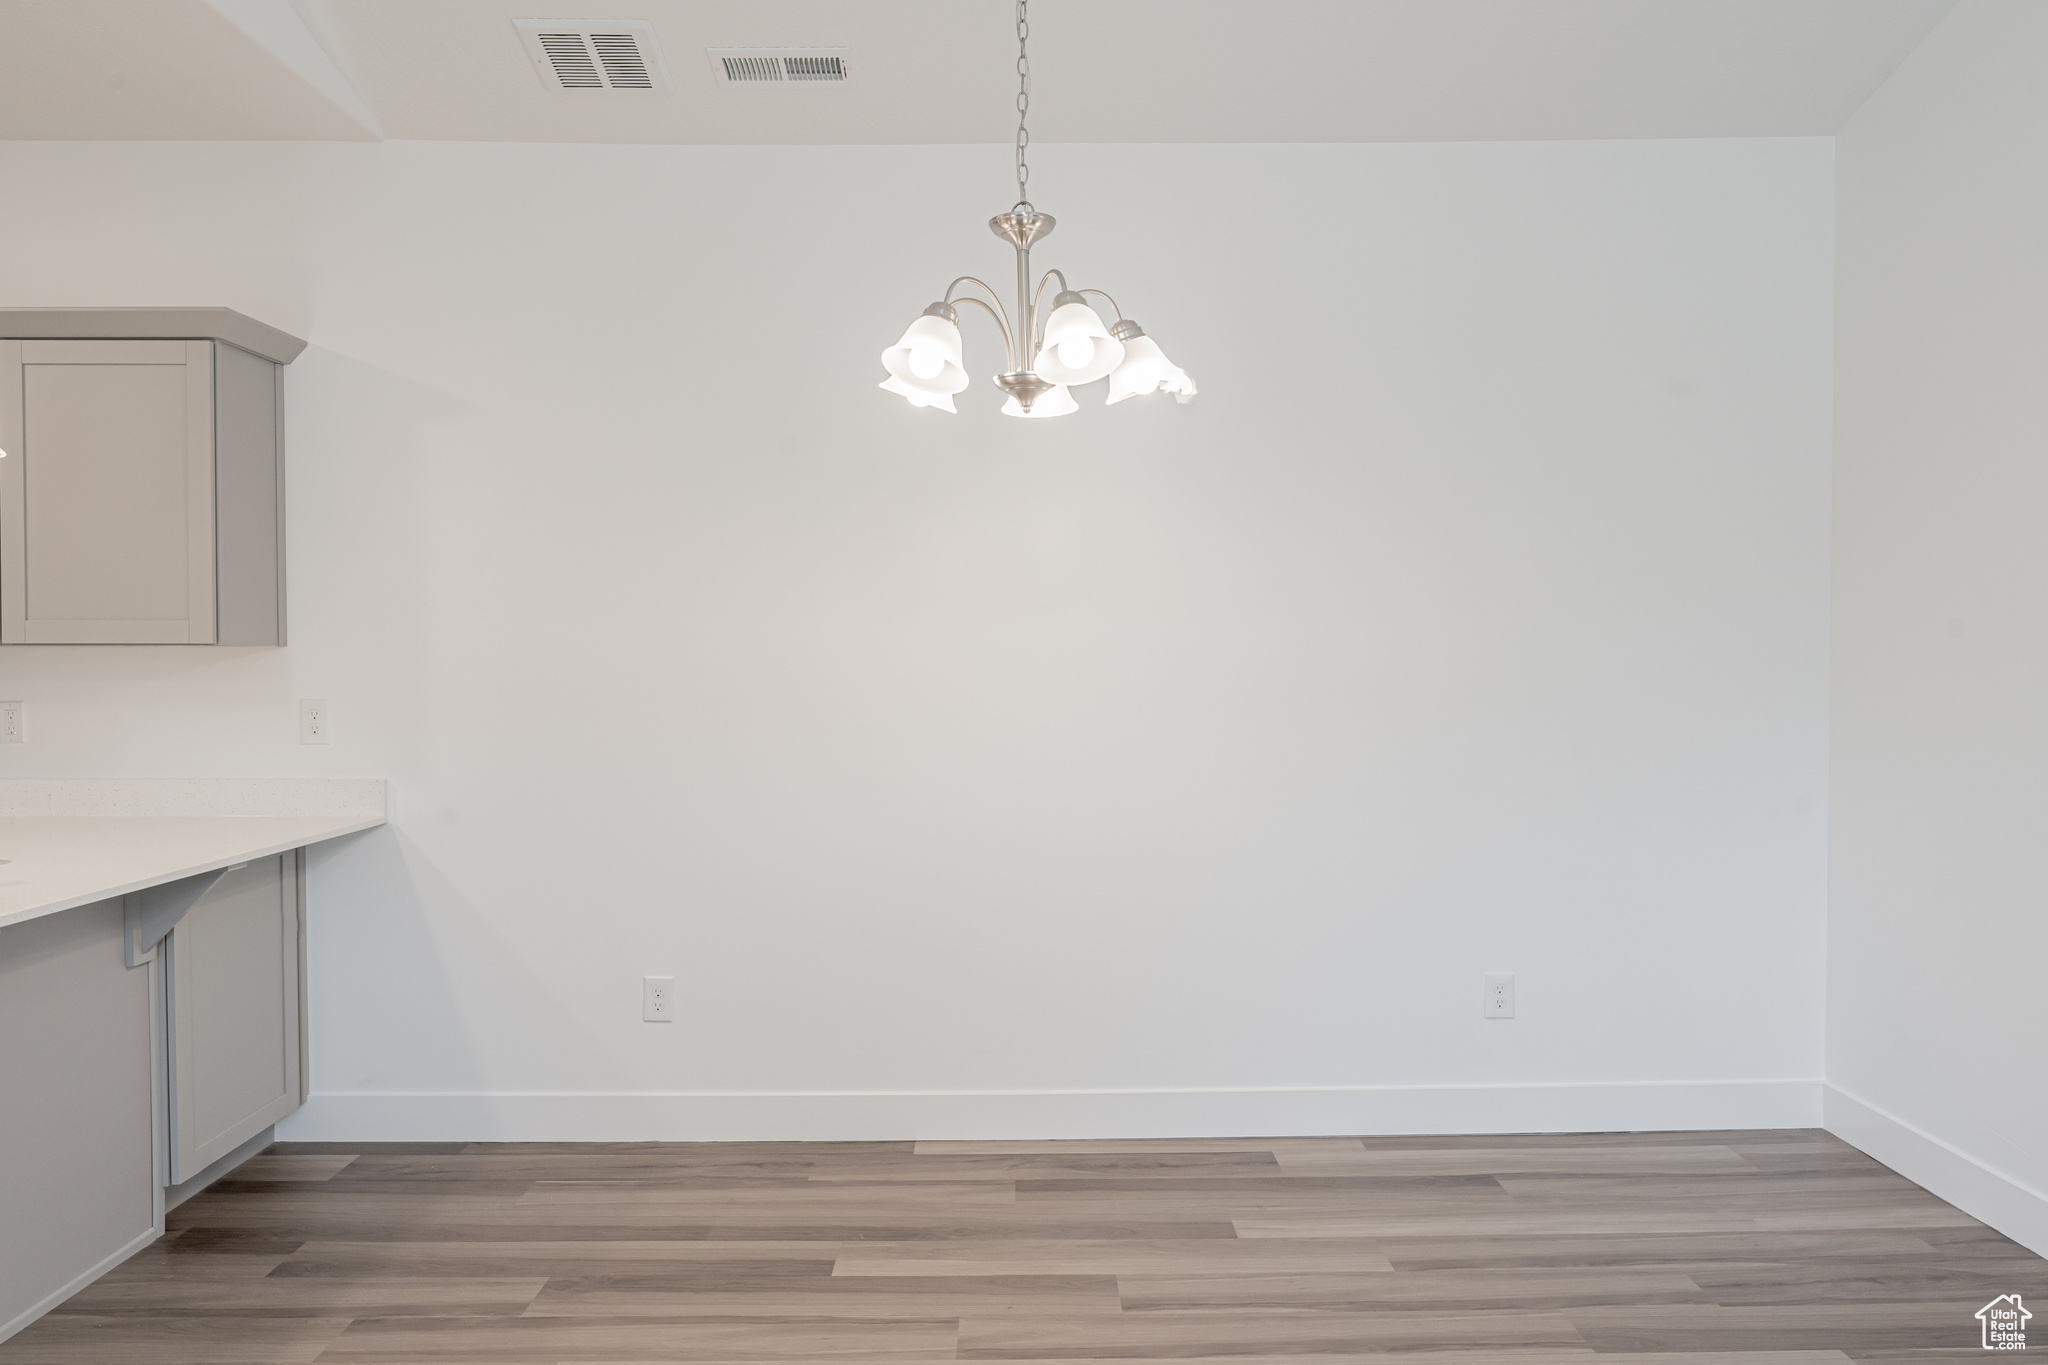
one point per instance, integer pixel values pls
(2015, 1209)
(1305, 1112)
(76, 1283)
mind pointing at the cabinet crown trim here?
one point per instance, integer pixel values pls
(131, 324)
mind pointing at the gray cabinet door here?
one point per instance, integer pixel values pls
(232, 1002)
(77, 1172)
(107, 492)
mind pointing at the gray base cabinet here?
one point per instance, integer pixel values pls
(118, 1080)
(231, 1007)
(78, 1160)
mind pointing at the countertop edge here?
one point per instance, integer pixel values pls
(97, 895)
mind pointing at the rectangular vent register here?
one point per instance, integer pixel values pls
(778, 65)
(594, 54)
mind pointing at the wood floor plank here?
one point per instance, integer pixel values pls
(756, 1262)
(625, 1224)
(155, 1262)
(1178, 1335)
(896, 1298)
(1179, 1257)
(685, 1151)
(343, 1185)
(809, 1199)
(1731, 1137)
(325, 1298)
(593, 1166)
(1297, 1189)
(1504, 1161)
(1324, 1196)
(1514, 1221)
(356, 1148)
(1444, 1291)
(277, 1166)
(82, 1339)
(1846, 1186)
(219, 1208)
(1524, 1217)
(1931, 1215)
(1848, 1279)
(389, 1341)
(1542, 1355)
(1839, 1327)
(1974, 1239)
(1057, 1147)
(1056, 1166)
(1452, 1253)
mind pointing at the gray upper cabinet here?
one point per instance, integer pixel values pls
(142, 490)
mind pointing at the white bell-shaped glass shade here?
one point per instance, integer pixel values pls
(1179, 385)
(1145, 370)
(1078, 348)
(1054, 402)
(919, 397)
(927, 359)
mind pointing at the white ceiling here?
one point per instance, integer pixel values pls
(182, 69)
(941, 70)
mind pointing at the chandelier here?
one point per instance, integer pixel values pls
(1047, 356)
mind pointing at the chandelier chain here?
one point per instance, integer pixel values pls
(1023, 102)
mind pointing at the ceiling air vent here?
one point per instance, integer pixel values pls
(778, 65)
(594, 54)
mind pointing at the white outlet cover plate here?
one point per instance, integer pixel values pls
(1499, 1002)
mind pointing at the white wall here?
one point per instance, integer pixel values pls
(1937, 930)
(1473, 619)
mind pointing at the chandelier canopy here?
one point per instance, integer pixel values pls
(1048, 354)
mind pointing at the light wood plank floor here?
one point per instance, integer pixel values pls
(1735, 1248)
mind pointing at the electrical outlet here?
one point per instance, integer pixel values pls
(1500, 995)
(658, 999)
(13, 722)
(313, 721)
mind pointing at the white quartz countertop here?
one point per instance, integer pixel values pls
(61, 852)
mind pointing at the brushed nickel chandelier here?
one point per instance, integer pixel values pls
(1044, 361)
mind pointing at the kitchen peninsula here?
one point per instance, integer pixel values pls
(151, 1003)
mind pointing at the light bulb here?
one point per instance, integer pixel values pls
(926, 362)
(1077, 348)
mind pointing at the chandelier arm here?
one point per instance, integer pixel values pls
(1002, 323)
(1038, 298)
(1104, 297)
(969, 279)
(1001, 316)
